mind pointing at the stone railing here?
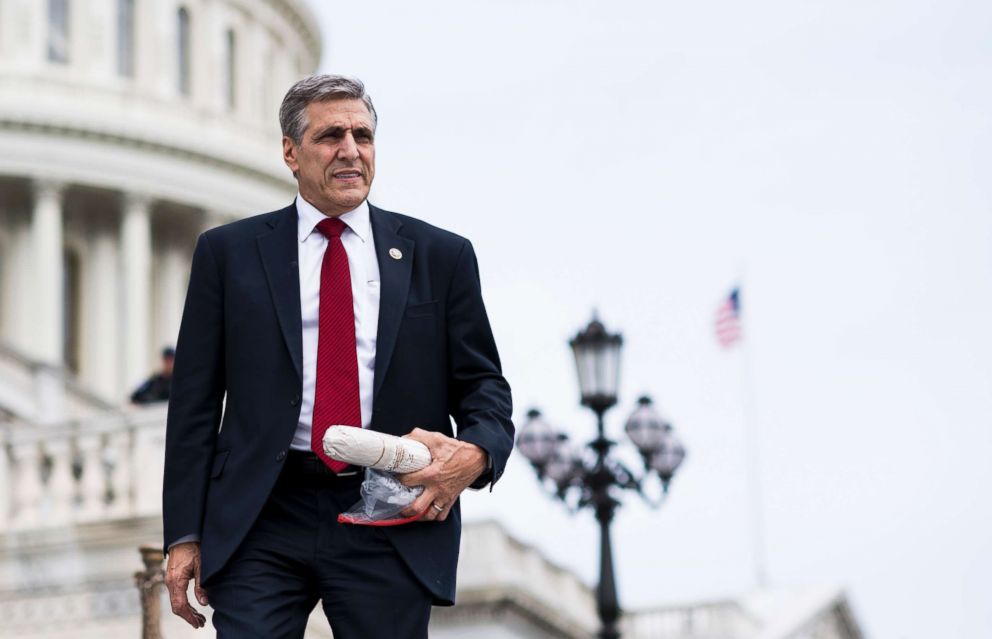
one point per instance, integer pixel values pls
(104, 467)
(712, 620)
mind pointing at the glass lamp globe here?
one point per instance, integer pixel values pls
(646, 428)
(563, 466)
(537, 440)
(667, 459)
(597, 361)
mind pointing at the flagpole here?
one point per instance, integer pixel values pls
(751, 444)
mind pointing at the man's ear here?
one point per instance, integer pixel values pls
(289, 154)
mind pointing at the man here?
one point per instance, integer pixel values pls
(156, 388)
(329, 311)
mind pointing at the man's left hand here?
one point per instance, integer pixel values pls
(455, 465)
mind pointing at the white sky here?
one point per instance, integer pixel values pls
(636, 157)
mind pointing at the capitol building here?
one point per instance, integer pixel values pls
(128, 127)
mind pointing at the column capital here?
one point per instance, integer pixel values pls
(136, 201)
(48, 188)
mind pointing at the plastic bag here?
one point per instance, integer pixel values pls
(383, 498)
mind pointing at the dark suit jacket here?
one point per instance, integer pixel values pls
(241, 337)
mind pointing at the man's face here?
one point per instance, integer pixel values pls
(335, 160)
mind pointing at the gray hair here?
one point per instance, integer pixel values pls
(317, 88)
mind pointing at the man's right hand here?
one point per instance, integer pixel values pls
(184, 564)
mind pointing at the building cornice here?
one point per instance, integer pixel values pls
(302, 18)
(132, 143)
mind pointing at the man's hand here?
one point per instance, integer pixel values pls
(184, 564)
(455, 465)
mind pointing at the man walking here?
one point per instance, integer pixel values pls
(329, 311)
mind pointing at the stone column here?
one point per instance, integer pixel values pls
(46, 248)
(104, 333)
(136, 253)
(171, 292)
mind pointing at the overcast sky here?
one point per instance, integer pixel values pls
(642, 157)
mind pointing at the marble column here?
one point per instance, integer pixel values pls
(171, 292)
(46, 246)
(104, 325)
(136, 262)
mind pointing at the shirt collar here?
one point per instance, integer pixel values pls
(309, 217)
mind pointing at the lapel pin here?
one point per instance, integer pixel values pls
(395, 253)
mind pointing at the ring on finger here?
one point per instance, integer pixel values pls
(440, 509)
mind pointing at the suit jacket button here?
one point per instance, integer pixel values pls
(295, 400)
(281, 456)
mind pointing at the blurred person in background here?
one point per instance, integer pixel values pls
(156, 388)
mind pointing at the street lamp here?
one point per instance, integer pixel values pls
(592, 481)
(597, 360)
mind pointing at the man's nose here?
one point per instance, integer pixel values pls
(348, 149)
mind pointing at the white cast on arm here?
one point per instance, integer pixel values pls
(363, 447)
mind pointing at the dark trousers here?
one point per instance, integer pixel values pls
(296, 554)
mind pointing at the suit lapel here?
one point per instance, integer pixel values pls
(394, 285)
(280, 253)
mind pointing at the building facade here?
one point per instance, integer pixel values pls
(127, 127)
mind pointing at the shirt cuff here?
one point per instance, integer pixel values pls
(487, 475)
(183, 540)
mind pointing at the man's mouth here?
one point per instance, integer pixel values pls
(347, 174)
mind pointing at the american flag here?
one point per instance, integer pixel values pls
(728, 320)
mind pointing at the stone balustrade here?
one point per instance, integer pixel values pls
(705, 620)
(100, 468)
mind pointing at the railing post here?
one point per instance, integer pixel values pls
(27, 486)
(149, 582)
(93, 483)
(117, 463)
(60, 488)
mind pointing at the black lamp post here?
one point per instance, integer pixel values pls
(592, 481)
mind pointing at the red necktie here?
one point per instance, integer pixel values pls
(336, 399)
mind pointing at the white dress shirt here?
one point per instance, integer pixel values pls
(364, 270)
